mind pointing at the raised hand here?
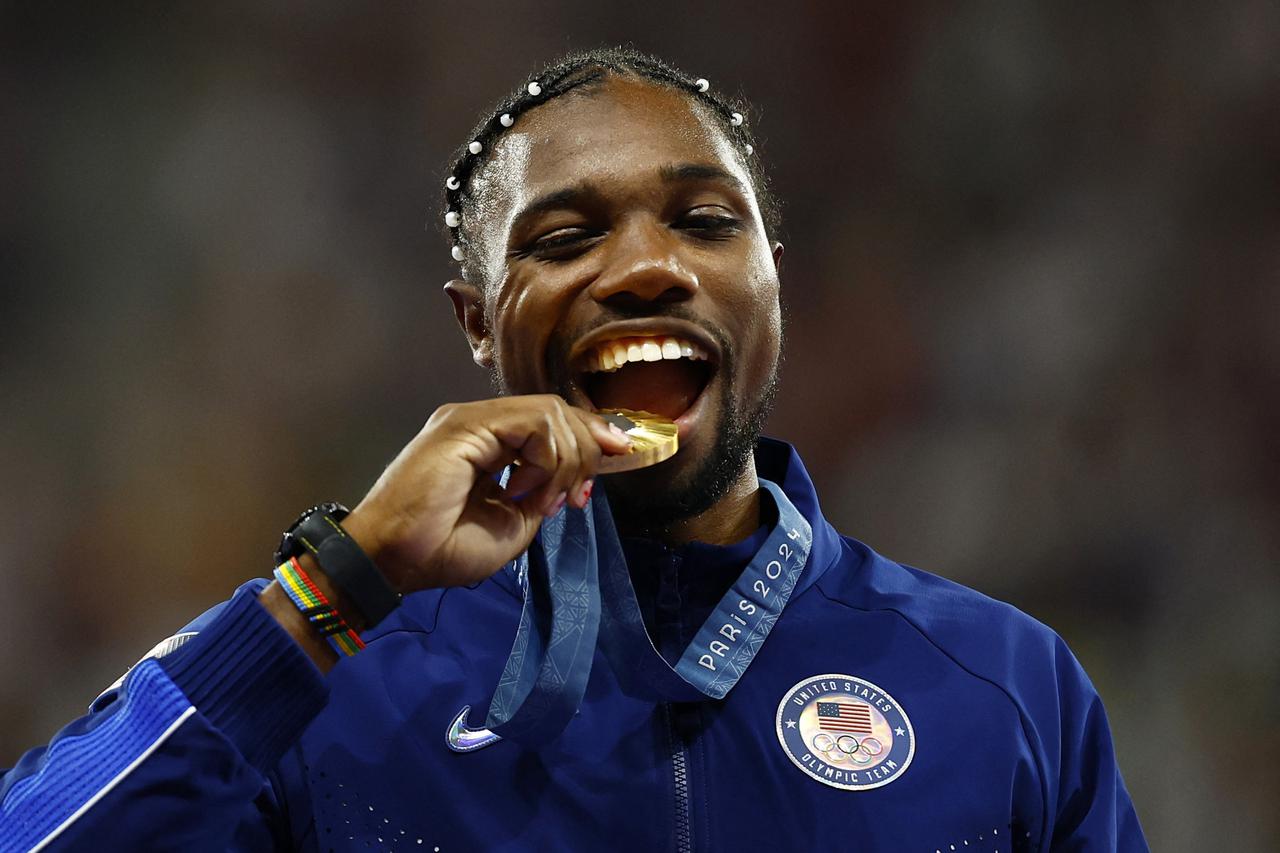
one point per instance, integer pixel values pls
(437, 517)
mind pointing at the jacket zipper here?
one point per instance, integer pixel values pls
(680, 775)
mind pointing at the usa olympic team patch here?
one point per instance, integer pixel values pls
(845, 732)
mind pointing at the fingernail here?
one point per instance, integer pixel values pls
(586, 490)
(555, 507)
(617, 430)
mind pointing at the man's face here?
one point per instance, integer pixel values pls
(619, 223)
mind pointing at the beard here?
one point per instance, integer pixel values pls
(651, 500)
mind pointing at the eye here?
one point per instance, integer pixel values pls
(560, 244)
(710, 223)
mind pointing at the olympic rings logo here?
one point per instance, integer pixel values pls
(847, 748)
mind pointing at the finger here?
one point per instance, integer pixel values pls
(568, 474)
(498, 504)
(589, 453)
(608, 436)
(496, 459)
(528, 427)
(524, 479)
(535, 439)
(538, 427)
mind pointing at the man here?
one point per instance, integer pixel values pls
(701, 662)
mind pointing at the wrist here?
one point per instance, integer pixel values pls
(363, 526)
(341, 601)
(321, 534)
(305, 632)
(281, 607)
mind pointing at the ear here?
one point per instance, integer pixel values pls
(468, 307)
(777, 256)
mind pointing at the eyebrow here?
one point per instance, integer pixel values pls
(699, 172)
(587, 192)
(568, 197)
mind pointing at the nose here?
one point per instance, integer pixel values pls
(644, 268)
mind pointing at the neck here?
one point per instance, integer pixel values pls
(732, 518)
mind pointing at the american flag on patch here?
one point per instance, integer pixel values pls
(852, 717)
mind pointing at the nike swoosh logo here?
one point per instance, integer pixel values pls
(461, 738)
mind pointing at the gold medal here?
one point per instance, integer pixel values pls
(653, 440)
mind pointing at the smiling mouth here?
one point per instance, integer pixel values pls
(661, 374)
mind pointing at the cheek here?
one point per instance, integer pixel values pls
(769, 338)
(515, 333)
(526, 316)
(757, 305)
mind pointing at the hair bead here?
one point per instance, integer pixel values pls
(564, 76)
(452, 219)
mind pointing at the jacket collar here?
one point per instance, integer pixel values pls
(778, 461)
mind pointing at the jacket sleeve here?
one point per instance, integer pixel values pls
(1093, 808)
(178, 756)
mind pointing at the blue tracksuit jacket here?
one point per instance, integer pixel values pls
(889, 710)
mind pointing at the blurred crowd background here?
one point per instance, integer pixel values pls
(1032, 269)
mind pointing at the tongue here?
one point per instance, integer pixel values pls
(666, 388)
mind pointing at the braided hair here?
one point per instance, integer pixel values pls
(577, 71)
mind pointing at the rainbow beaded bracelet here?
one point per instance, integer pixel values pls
(322, 615)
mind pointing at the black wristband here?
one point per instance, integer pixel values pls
(342, 561)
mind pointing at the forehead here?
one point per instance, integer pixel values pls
(605, 135)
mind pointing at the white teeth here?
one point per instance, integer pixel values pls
(611, 355)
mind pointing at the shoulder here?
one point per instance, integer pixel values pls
(1062, 716)
(990, 639)
(954, 616)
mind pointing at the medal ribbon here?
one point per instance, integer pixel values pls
(573, 567)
